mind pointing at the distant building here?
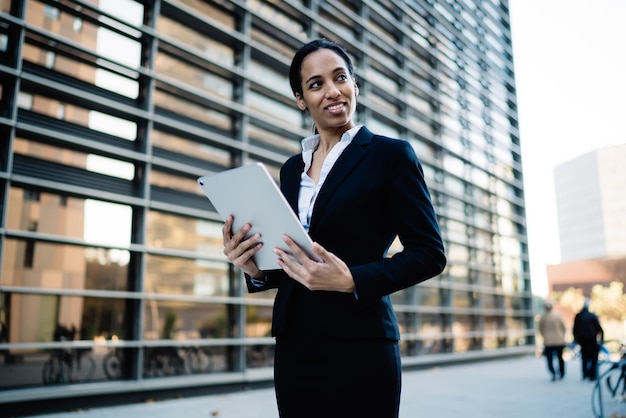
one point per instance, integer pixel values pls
(584, 274)
(591, 208)
(591, 204)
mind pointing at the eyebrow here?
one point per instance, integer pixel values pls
(336, 70)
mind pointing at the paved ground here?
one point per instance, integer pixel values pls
(508, 388)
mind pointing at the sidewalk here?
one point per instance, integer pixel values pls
(509, 388)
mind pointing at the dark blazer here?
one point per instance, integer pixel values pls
(374, 192)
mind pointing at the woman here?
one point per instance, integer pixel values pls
(336, 333)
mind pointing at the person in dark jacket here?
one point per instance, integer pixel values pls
(588, 333)
(337, 353)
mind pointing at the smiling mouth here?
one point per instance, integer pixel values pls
(335, 107)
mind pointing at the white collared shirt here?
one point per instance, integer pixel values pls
(308, 189)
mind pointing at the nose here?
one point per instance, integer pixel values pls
(332, 91)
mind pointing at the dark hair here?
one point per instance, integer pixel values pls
(295, 74)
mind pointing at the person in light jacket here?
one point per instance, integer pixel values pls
(552, 330)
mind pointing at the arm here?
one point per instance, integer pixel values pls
(411, 216)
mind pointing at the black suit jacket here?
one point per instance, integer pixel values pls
(374, 192)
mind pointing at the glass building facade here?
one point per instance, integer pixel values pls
(112, 268)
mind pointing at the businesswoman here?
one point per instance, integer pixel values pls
(336, 333)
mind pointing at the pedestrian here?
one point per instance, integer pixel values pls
(552, 330)
(337, 352)
(588, 333)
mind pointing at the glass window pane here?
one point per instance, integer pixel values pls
(181, 276)
(177, 232)
(47, 318)
(192, 110)
(258, 321)
(177, 360)
(202, 45)
(68, 216)
(59, 366)
(190, 147)
(41, 264)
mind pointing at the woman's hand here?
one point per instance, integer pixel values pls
(239, 250)
(329, 274)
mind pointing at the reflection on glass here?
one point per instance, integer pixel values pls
(194, 76)
(258, 321)
(38, 318)
(107, 223)
(183, 233)
(194, 111)
(404, 296)
(174, 182)
(429, 296)
(429, 332)
(179, 320)
(203, 45)
(259, 355)
(191, 147)
(112, 125)
(40, 264)
(61, 366)
(94, 221)
(129, 11)
(178, 360)
(91, 162)
(181, 276)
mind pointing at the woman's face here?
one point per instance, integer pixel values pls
(328, 91)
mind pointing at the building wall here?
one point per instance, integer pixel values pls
(591, 201)
(111, 110)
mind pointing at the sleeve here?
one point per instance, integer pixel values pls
(413, 219)
(272, 280)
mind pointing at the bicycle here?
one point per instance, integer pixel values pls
(66, 366)
(198, 359)
(113, 364)
(163, 361)
(608, 398)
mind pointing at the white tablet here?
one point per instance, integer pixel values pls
(250, 194)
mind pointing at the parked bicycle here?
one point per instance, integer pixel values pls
(608, 398)
(113, 364)
(163, 361)
(65, 366)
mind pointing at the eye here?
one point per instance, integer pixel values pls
(342, 77)
(315, 85)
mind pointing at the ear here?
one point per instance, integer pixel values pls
(300, 102)
(356, 89)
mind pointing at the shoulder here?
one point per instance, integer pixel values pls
(393, 148)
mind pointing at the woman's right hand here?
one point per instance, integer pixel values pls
(240, 250)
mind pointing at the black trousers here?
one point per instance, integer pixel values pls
(589, 351)
(337, 378)
(550, 352)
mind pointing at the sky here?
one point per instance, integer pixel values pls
(570, 72)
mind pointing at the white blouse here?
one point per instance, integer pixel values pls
(308, 189)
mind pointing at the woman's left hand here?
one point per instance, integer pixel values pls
(329, 274)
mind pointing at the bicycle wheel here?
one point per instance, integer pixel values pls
(55, 371)
(84, 368)
(608, 398)
(113, 363)
(199, 359)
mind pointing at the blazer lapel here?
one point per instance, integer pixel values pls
(340, 171)
(291, 185)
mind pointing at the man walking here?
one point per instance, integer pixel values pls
(589, 335)
(552, 329)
